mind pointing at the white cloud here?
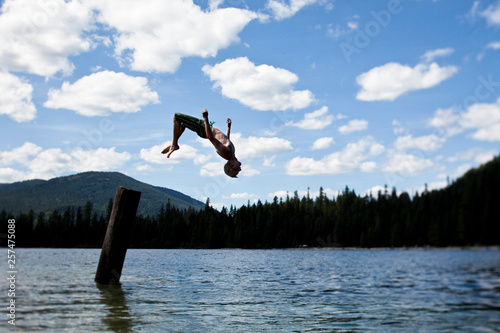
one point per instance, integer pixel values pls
(484, 119)
(406, 164)
(492, 14)
(244, 195)
(281, 10)
(264, 87)
(103, 92)
(429, 56)
(303, 193)
(392, 80)
(460, 171)
(96, 160)
(248, 171)
(447, 121)
(49, 163)
(143, 167)
(352, 158)
(212, 169)
(21, 155)
(315, 120)
(374, 191)
(15, 99)
(186, 152)
(38, 36)
(9, 175)
(154, 35)
(258, 146)
(322, 143)
(478, 155)
(493, 45)
(354, 126)
(426, 143)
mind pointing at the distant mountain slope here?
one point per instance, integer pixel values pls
(74, 191)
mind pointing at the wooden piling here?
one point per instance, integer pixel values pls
(114, 247)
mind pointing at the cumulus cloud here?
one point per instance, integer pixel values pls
(212, 169)
(446, 121)
(425, 143)
(406, 164)
(101, 93)
(258, 146)
(243, 195)
(186, 152)
(484, 119)
(354, 157)
(481, 118)
(315, 120)
(478, 155)
(303, 193)
(48, 163)
(38, 36)
(354, 126)
(322, 143)
(389, 81)
(263, 87)
(9, 175)
(154, 35)
(15, 99)
(281, 10)
(373, 191)
(21, 155)
(248, 171)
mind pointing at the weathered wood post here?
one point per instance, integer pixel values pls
(114, 247)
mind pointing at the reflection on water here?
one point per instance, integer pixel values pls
(118, 318)
(254, 291)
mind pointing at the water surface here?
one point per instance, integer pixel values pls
(259, 290)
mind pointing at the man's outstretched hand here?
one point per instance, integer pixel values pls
(228, 122)
(204, 113)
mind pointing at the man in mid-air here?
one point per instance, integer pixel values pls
(221, 142)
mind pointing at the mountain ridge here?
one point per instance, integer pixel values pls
(75, 190)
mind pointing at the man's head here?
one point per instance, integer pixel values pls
(232, 168)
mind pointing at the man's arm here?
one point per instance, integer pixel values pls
(219, 147)
(228, 127)
(208, 130)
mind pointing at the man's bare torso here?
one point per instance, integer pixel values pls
(222, 138)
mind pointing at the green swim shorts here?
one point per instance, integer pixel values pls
(194, 124)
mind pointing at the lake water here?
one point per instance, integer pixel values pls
(258, 291)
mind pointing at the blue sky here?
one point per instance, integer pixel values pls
(321, 93)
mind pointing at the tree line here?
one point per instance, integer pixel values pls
(464, 213)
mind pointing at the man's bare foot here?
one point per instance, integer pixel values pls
(166, 150)
(170, 149)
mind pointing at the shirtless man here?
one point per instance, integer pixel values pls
(221, 142)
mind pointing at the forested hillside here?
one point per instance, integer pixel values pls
(76, 190)
(464, 213)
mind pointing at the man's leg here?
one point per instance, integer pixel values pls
(178, 130)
